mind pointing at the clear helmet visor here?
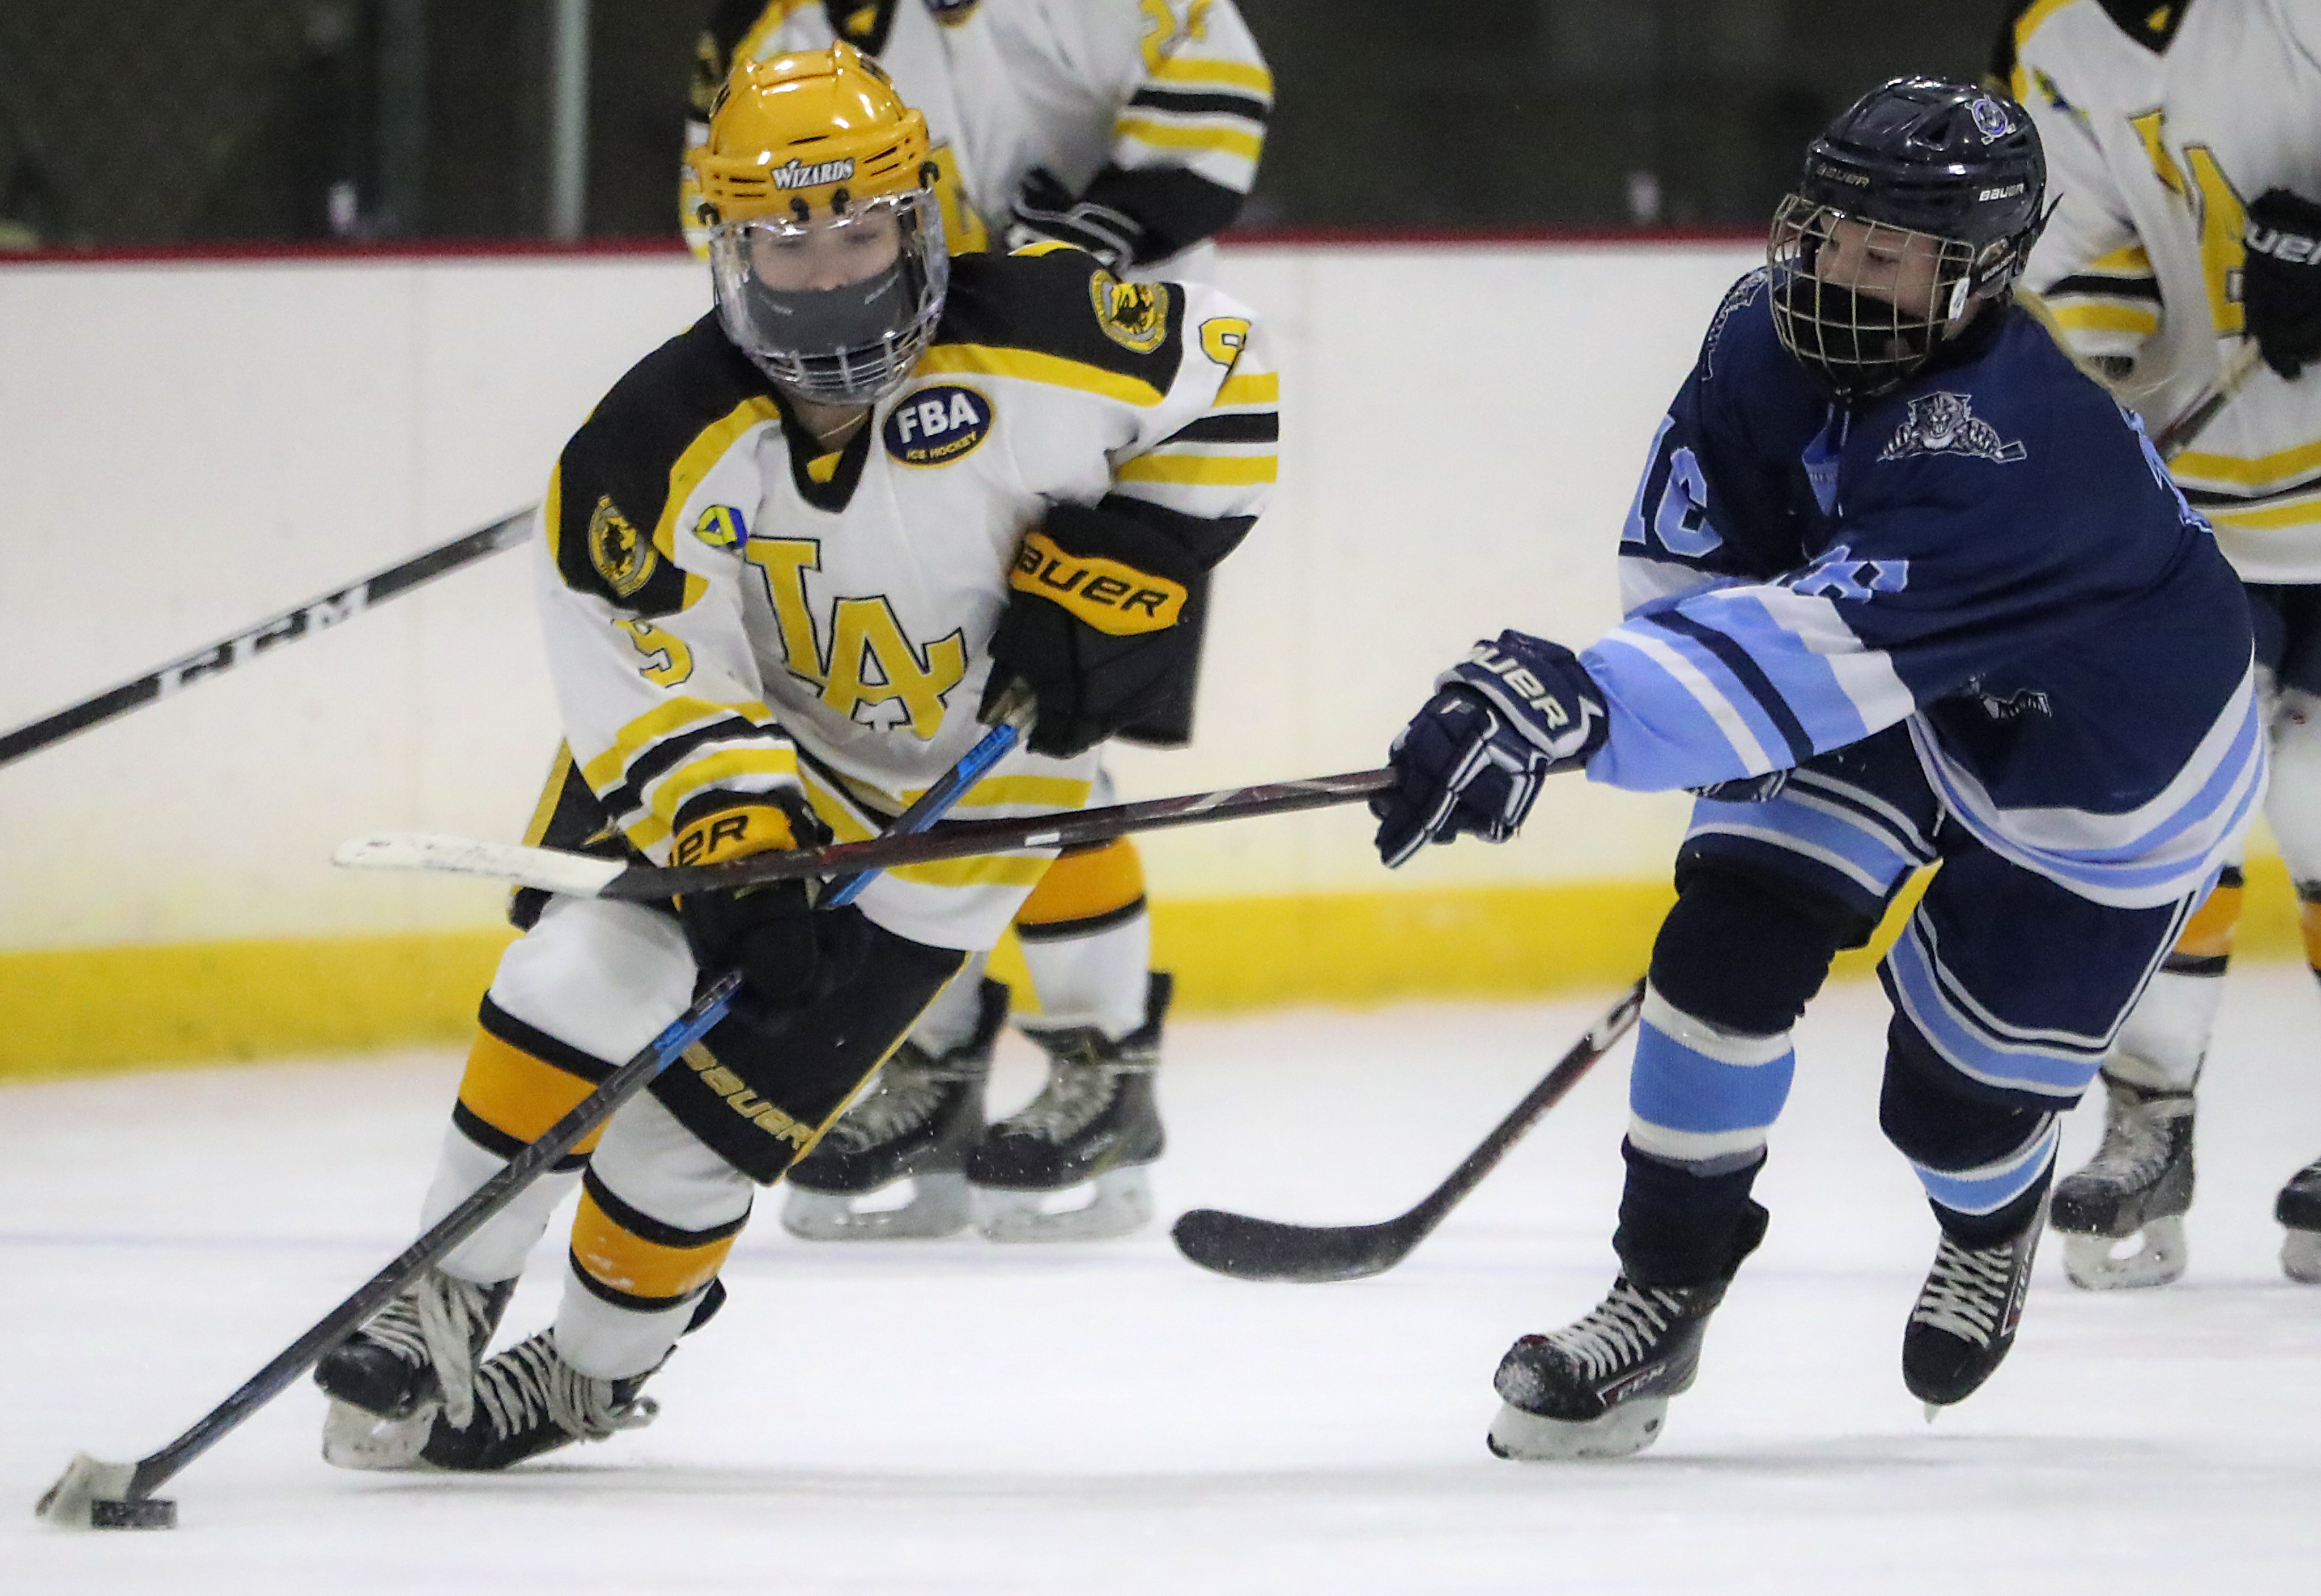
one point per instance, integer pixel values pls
(834, 307)
(1862, 304)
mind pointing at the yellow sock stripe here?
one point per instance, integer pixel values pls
(2208, 935)
(1082, 885)
(518, 1095)
(617, 1258)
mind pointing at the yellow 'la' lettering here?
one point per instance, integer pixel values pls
(2214, 205)
(869, 663)
(872, 664)
(784, 562)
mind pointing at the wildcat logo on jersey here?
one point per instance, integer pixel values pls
(798, 175)
(951, 13)
(1133, 316)
(621, 557)
(937, 426)
(2009, 707)
(1946, 424)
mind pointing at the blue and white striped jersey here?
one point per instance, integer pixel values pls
(1992, 553)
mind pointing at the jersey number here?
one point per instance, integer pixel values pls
(868, 670)
(1680, 518)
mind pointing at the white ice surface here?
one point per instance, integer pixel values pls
(951, 1417)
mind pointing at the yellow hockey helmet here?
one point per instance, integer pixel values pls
(793, 134)
(825, 237)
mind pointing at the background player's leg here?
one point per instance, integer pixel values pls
(2293, 806)
(591, 982)
(1095, 1124)
(1766, 893)
(2008, 991)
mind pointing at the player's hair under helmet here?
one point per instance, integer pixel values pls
(825, 239)
(1920, 198)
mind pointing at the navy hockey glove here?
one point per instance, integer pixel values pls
(771, 934)
(1511, 714)
(1045, 211)
(1104, 626)
(2280, 280)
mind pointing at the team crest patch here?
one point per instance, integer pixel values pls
(1946, 424)
(1133, 316)
(621, 557)
(934, 426)
(951, 13)
(1990, 117)
(721, 526)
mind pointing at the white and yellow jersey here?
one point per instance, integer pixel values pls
(2162, 121)
(1161, 105)
(728, 611)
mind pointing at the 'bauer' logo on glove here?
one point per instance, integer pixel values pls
(2280, 279)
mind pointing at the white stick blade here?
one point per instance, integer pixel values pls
(574, 875)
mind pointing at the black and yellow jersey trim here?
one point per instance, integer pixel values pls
(1036, 315)
(2152, 23)
(613, 499)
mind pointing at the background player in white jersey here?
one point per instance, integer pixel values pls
(785, 565)
(1132, 130)
(2185, 142)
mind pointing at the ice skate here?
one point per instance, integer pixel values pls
(1600, 1387)
(2298, 1207)
(1092, 1127)
(1963, 1323)
(2121, 1217)
(906, 1138)
(415, 1357)
(530, 1400)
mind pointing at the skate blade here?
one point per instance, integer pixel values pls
(1626, 1430)
(2095, 1263)
(2300, 1257)
(1119, 1203)
(353, 1438)
(93, 1494)
(935, 1205)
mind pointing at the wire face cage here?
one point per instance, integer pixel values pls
(1860, 303)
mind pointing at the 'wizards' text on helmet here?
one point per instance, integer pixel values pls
(1947, 177)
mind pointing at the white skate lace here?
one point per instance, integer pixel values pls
(529, 1383)
(1966, 1290)
(1621, 1329)
(909, 1092)
(2134, 1148)
(436, 1323)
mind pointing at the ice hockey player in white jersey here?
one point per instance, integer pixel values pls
(1903, 586)
(785, 568)
(1132, 129)
(2184, 141)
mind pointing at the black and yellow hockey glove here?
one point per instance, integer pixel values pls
(2280, 280)
(1103, 626)
(771, 934)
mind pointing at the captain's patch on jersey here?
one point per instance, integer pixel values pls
(936, 426)
(1133, 316)
(1946, 424)
(625, 560)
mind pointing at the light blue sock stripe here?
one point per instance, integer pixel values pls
(1680, 1088)
(1987, 1190)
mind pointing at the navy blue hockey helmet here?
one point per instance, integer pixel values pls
(1920, 198)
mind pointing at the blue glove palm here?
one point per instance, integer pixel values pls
(1471, 763)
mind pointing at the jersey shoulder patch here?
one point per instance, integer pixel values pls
(1057, 315)
(623, 479)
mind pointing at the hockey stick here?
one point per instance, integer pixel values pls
(2239, 366)
(1248, 1249)
(316, 614)
(579, 875)
(1017, 710)
(92, 1494)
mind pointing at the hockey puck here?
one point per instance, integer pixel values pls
(138, 1512)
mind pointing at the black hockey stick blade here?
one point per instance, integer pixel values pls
(93, 1494)
(581, 875)
(2178, 434)
(316, 614)
(1250, 1248)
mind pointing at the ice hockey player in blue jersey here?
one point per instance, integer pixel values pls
(1902, 588)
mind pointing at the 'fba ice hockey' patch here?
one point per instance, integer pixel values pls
(937, 426)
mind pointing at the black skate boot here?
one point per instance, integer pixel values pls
(1094, 1123)
(414, 1355)
(1963, 1323)
(916, 1123)
(1600, 1386)
(2138, 1186)
(530, 1400)
(2298, 1207)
